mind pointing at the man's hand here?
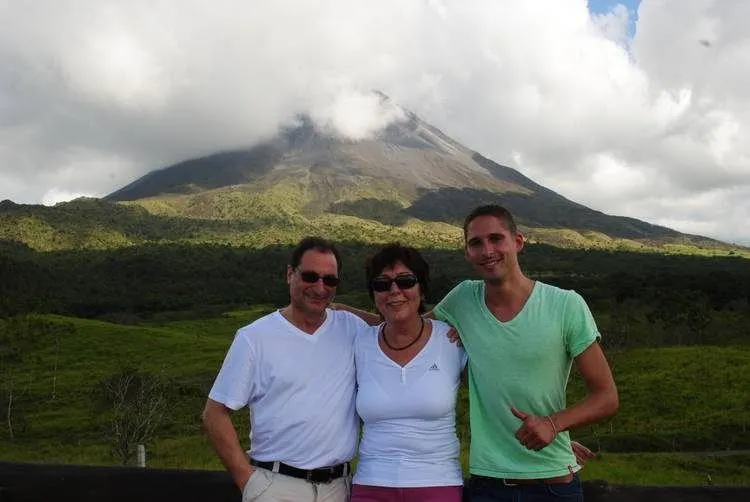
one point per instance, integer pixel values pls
(242, 479)
(453, 337)
(536, 432)
(582, 453)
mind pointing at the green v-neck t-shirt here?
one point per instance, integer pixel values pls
(524, 362)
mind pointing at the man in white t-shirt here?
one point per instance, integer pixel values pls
(294, 368)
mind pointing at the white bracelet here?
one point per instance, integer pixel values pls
(552, 423)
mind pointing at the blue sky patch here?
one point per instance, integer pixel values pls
(604, 6)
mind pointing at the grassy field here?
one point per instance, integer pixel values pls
(674, 400)
(669, 469)
(195, 452)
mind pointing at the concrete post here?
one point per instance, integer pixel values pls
(141, 455)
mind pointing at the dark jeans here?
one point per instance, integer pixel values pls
(485, 489)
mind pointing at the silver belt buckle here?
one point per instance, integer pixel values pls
(505, 483)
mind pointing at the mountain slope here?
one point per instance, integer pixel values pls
(411, 182)
(410, 170)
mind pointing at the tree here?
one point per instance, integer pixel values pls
(136, 403)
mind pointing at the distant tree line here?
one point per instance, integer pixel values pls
(680, 292)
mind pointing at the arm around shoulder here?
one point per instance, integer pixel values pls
(369, 317)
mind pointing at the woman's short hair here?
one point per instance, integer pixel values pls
(391, 254)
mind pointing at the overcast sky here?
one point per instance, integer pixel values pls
(639, 108)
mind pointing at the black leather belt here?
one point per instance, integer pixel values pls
(322, 475)
(567, 478)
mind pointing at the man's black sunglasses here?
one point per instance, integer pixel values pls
(312, 277)
(381, 284)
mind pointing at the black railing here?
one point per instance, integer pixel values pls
(73, 483)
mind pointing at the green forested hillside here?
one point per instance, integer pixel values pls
(282, 214)
(97, 224)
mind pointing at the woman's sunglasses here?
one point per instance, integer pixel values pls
(312, 277)
(381, 284)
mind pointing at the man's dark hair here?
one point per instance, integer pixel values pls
(495, 210)
(394, 253)
(318, 244)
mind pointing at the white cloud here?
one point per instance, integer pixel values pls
(94, 93)
(356, 115)
(55, 195)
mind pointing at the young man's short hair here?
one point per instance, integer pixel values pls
(495, 210)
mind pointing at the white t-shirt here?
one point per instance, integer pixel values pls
(409, 414)
(300, 388)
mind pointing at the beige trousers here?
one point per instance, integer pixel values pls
(267, 486)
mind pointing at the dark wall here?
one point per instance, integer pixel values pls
(69, 483)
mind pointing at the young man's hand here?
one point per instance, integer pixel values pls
(536, 432)
(453, 337)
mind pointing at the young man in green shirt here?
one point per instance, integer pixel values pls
(522, 337)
